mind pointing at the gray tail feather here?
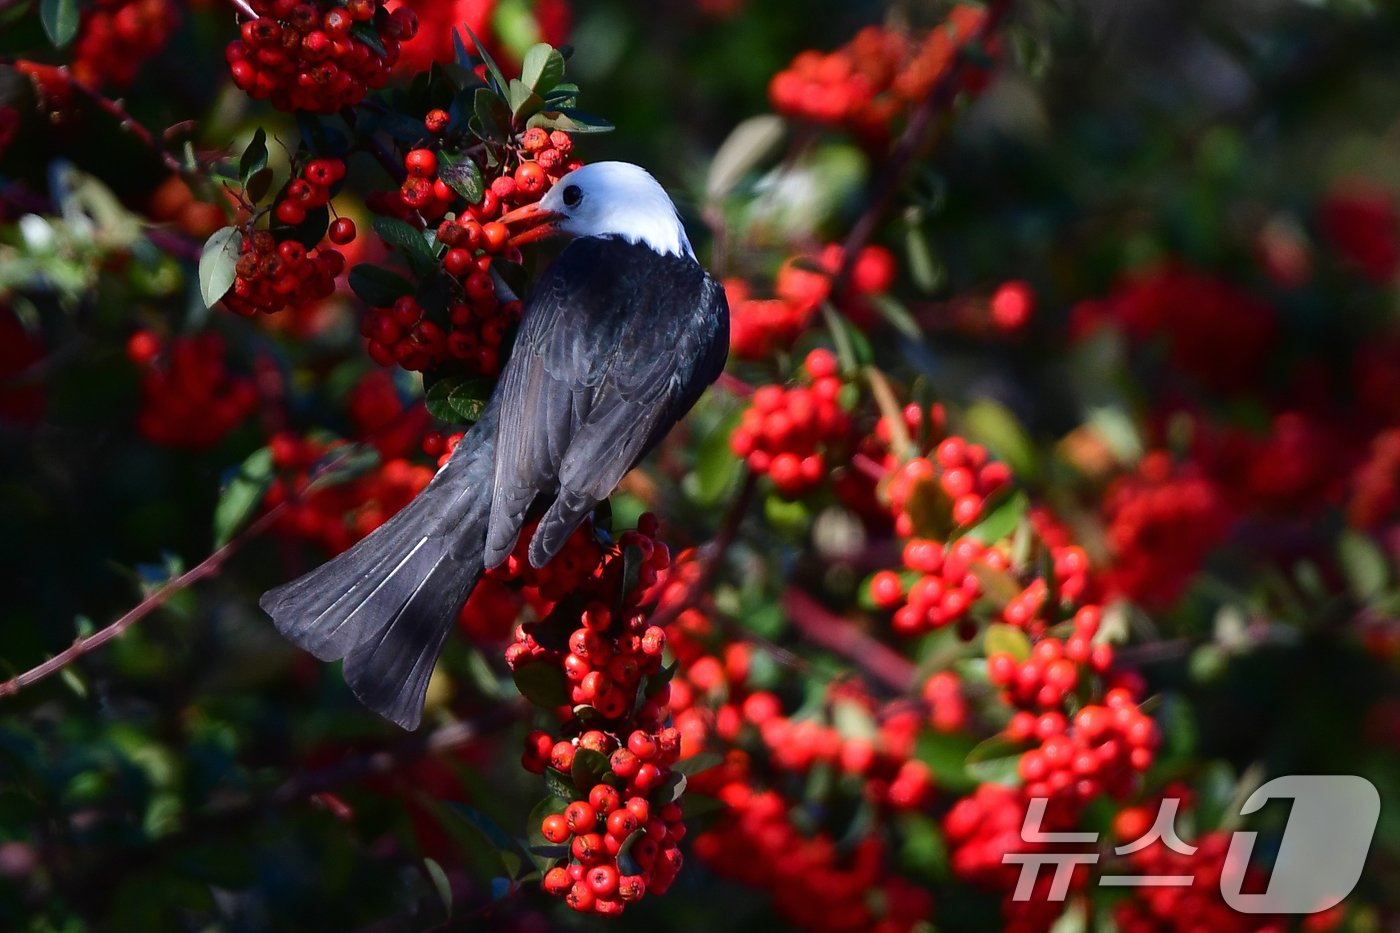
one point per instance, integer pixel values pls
(385, 606)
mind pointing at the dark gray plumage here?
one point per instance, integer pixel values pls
(616, 344)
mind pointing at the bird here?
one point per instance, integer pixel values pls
(617, 341)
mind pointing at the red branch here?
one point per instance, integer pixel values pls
(825, 628)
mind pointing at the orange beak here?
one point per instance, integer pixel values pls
(529, 223)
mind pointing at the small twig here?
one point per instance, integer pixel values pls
(205, 568)
(889, 407)
(116, 110)
(208, 567)
(828, 630)
(713, 555)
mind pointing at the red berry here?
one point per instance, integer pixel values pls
(342, 231)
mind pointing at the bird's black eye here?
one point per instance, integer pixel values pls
(572, 195)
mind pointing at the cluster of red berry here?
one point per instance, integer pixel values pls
(878, 75)
(814, 883)
(613, 749)
(317, 55)
(1197, 905)
(189, 397)
(1101, 750)
(1052, 672)
(760, 326)
(475, 331)
(272, 273)
(1221, 335)
(116, 37)
(986, 826)
(335, 517)
(1161, 522)
(787, 434)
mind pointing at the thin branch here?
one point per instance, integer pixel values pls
(912, 143)
(825, 628)
(208, 567)
(115, 109)
(713, 555)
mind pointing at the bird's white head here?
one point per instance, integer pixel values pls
(606, 199)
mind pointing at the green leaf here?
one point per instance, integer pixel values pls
(497, 76)
(377, 286)
(409, 240)
(995, 761)
(748, 145)
(1003, 519)
(1366, 568)
(458, 400)
(570, 121)
(589, 768)
(241, 495)
(60, 19)
(625, 863)
(254, 157)
(696, 763)
(366, 34)
(716, 470)
(1008, 639)
(670, 790)
(440, 883)
(994, 425)
(559, 784)
(462, 175)
(258, 185)
(310, 231)
(524, 103)
(217, 262)
(542, 68)
(542, 683)
(492, 113)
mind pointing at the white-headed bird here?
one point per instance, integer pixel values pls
(618, 340)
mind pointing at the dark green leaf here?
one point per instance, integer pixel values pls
(492, 113)
(369, 36)
(995, 761)
(310, 231)
(497, 76)
(468, 399)
(559, 784)
(241, 495)
(413, 243)
(254, 157)
(60, 19)
(258, 185)
(217, 262)
(462, 175)
(716, 470)
(570, 121)
(696, 763)
(589, 768)
(377, 286)
(542, 68)
(542, 683)
(670, 790)
(625, 862)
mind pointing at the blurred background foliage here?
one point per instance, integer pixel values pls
(197, 773)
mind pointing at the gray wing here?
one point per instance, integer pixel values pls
(616, 346)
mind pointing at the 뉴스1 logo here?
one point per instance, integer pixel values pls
(1319, 861)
